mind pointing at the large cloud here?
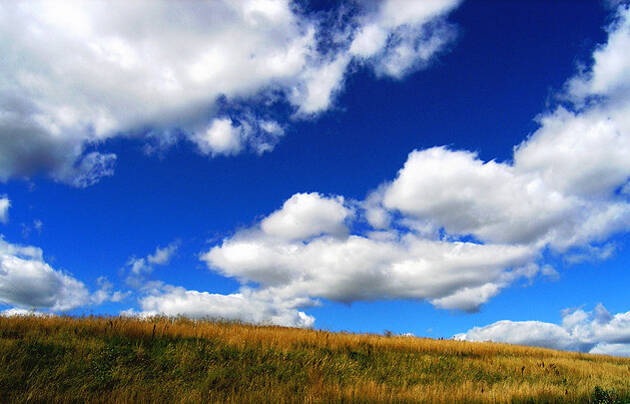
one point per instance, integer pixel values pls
(451, 228)
(27, 281)
(290, 257)
(78, 72)
(596, 331)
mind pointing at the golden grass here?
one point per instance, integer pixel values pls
(119, 360)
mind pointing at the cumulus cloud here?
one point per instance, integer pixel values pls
(561, 188)
(221, 137)
(294, 253)
(5, 204)
(306, 215)
(450, 228)
(27, 281)
(246, 305)
(596, 331)
(456, 191)
(79, 73)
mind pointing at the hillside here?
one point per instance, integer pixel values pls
(118, 359)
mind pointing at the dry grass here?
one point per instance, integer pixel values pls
(117, 359)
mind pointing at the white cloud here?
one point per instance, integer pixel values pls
(87, 170)
(27, 229)
(244, 306)
(611, 349)
(106, 293)
(139, 268)
(503, 203)
(320, 85)
(596, 331)
(457, 191)
(583, 153)
(79, 73)
(306, 215)
(468, 298)
(221, 137)
(368, 41)
(610, 74)
(27, 281)
(591, 253)
(403, 35)
(5, 204)
(533, 333)
(395, 13)
(12, 312)
(303, 250)
(162, 256)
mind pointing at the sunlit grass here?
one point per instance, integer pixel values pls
(120, 359)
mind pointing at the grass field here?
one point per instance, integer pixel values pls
(118, 359)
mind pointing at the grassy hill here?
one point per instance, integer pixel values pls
(117, 359)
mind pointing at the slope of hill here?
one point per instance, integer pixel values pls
(118, 359)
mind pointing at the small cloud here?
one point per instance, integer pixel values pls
(140, 268)
(220, 137)
(162, 256)
(591, 253)
(550, 272)
(5, 204)
(106, 293)
(28, 229)
(89, 170)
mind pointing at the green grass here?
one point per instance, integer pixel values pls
(94, 359)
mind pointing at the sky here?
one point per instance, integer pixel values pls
(441, 168)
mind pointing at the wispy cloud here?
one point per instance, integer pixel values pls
(140, 268)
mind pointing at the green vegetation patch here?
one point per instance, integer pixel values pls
(108, 360)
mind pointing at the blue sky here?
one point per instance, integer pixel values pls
(443, 168)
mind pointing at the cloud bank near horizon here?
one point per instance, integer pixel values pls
(595, 331)
(28, 282)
